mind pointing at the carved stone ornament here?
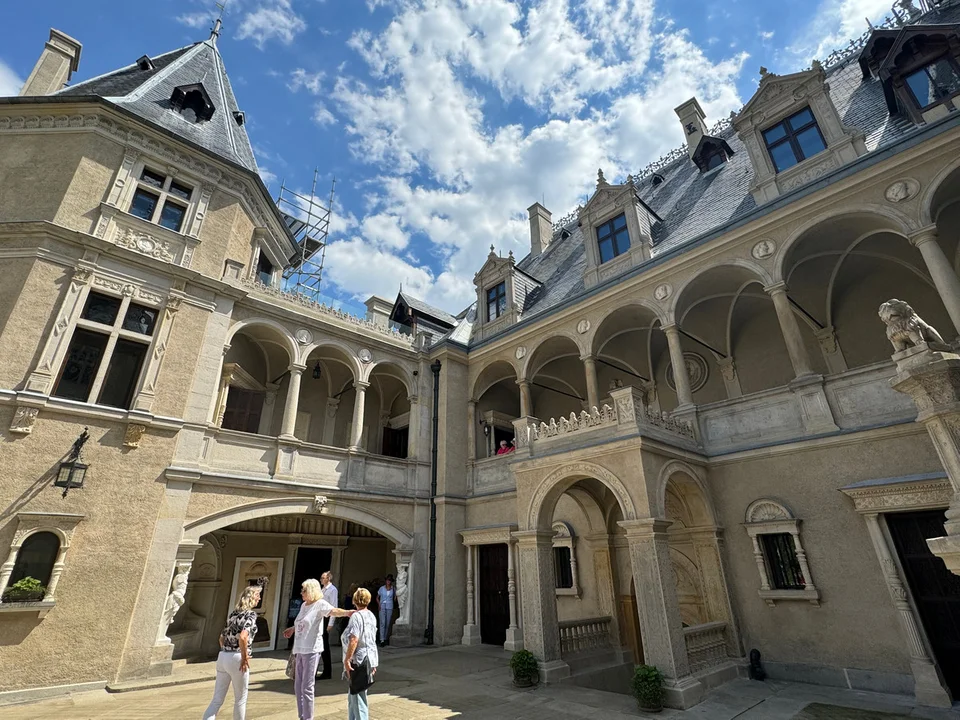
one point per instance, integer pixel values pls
(901, 190)
(906, 329)
(697, 371)
(133, 435)
(175, 600)
(520, 352)
(23, 420)
(763, 249)
(303, 336)
(766, 510)
(662, 292)
(365, 355)
(583, 326)
(144, 244)
(319, 503)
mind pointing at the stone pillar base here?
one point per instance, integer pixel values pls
(161, 660)
(947, 548)
(401, 635)
(514, 640)
(929, 688)
(471, 635)
(554, 671)
(682, 693)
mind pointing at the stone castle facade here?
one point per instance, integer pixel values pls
(711, 449)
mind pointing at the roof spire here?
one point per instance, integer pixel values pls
(218, 23)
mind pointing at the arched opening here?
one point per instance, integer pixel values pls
(497, 406)
(389, 401)
(254, 370)
(731, 336)
(328, 377)
(557, 383)
(945, 212)
(840, 272)
(624, 349)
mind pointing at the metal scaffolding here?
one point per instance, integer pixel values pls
(309, 222)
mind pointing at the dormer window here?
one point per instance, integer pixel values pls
(496, 301)
(160, 199)
(264, 270)
(192, 102)
(710, 153)
(794, 140)
(933, 83)
(613, 238)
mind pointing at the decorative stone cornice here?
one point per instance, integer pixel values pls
(905, 495)
(489, 535)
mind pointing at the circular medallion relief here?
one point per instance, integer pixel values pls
(521, 351)
(583, 326)
(901, 190)
(303, 336)
(662, 292)
(763, 249)
(365, 355)
(697, 371)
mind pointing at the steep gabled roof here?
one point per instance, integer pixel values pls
(423, 308)
(147, 93)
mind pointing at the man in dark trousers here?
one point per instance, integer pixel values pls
(330, 594)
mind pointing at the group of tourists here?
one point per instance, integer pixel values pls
(311, 645)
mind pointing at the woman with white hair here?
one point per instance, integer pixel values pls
(309, 642)
(360, 655)
(233, 662)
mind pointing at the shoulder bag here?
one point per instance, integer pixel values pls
(361, 676)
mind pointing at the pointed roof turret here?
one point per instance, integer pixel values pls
(185, 91)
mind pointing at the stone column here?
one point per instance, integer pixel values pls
(471, 430)
(606, 589)
(929, 686)
(413, 429)
(292, 402)
(541, 629)
(664, 644)
(7, 568)
(590, 368)
(790, 328)
(932, 378)
(708, 547)
(223, 394)
(514, 639)
(526, 399)
(944, 278)
(356, 431)
(471, 631)
(680, 377)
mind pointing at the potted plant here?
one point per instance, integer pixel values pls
(27, 589)
(648, 688)
(525, 667)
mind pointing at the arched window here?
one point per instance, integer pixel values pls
(36, 559)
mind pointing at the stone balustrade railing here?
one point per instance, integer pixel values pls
(706, 645)
(328, 311)
(585, 634)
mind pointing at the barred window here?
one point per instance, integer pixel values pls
(780, 555)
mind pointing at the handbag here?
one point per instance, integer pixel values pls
(361, 677)
(291, 669)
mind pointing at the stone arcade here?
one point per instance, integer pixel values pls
(714, 449)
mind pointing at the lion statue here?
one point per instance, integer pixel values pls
(906, 329)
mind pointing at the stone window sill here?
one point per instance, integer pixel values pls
(575, 592)
(42, 607)
(771, 597)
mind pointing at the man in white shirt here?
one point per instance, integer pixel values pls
(331, 595)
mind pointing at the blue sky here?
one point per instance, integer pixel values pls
(443, 120)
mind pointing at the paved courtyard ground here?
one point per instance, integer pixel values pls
(463, 683)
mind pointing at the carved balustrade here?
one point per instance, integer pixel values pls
(584, 635)
(706, 645)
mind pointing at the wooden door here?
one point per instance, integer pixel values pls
(492, 591)
(936, 590)
(630, 624)
(243, 410)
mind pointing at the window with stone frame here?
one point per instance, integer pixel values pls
(38, 551)
(107, 351)
(160, 199)
(35, 559)
(565, 560)
(933, 83)
(561, 562)
(779, 554)
(613, 238)
(793, 140)
(265, 269)
(496, 301)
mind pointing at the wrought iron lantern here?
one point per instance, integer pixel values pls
(317, 371)
(73, 470)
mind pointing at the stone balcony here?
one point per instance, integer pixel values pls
(260, 458)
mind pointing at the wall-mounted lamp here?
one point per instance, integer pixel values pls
(73, 470)
(486, 427)
(317, 371)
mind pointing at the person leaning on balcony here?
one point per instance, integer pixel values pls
(504, 448)
(233, 662)
(309, 642)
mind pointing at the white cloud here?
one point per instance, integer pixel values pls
(322, 116)
(766, 35)
(385, 229)
(301, 78)
(10, 82)
(834, 24)
(368, 270)
(267, 176)
(197, 20)
(271, 20)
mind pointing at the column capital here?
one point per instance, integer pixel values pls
(589, 357)
(670, 328)
(534, 538)
(413, 399)
(924, 235)
(361, 384)
(776, 288)
(471, 401)
(645, 528)
(523, 383)
(297, 368)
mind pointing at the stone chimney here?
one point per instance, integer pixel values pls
(378, 311)
(541, 228)
(691, 118)
(58, 61)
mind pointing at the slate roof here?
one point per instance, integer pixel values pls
(421, 307)
(146, 93)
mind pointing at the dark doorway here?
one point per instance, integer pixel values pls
(936, 590)
(243, 410)
(494, 600)
(630, 624)
(311, 563)
(395, 442)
